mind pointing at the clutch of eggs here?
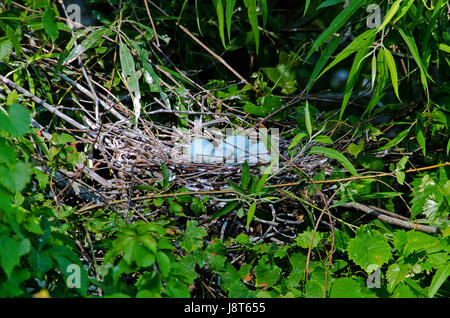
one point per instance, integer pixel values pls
(234, 149)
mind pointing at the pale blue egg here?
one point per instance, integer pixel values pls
(238, 146)
(201, 151)
(258, 153)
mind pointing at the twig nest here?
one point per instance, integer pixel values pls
(201, 151)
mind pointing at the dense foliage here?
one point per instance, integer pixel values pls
(373, 98)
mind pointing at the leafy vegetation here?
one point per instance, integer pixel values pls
(359, 207)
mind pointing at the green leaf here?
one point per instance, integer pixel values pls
(396, 274)
(253, 19)
(165, 174)
(264, 11)
(17, 122)
(323, 59)
(368, 249)
(306, 7)
(439, 278)
(336, 24)
(16, 177)
(345, 288)
(193, 238)
(48, 19)
(229, 8)
(308, 119)
(395, 141)
(444, 47)
(323, 139)
(329, 3)
(245, 176)
(85, 45)
(361, 42)
(390, 14)
(164, 263)
(251, 213)
(267, 274)
(230, 206)
(6, 48)
(392, 70)
(331, 153)
(126, 61)
(356, 149)
(9, 254)
(221, 20)
(297, 139)
(304, 239)
(409, 40)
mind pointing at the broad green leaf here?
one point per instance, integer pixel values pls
(267, 273)
(251, 213)
(9, 254)
(17, 122)
(369, 249)
(391, 13)
(396, 274)
(16, 177)
(193, 238)
(304, 239)
(308, 119)
(392, 70)
(333, 154)
(345, 288)
(6, 48)
(356, 149)
(439, 278)
(341, 19)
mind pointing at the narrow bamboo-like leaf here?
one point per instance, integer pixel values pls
(229, 9)
(403, 9)
(308, 119)
(323, 59)
(439, 278)
(253, 19)
(262, 180)
(392, 70)
(420, 135)
(165, 174)
(264, 11)
(381, 82)
(444, 47)
(352, 78)
(329, 3)
(230, 206)
(374, 71)
(394, 141)
(220, 19)
(251, 213)
(297, 139)
(391, 13)
(333, 154)
(361, 42)
(245, 177)
(409, 39)
(306, 6)
(126, 60)
(336, 24)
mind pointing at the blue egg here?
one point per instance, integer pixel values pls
(258, 153)
(201, 151)
(238, 146)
